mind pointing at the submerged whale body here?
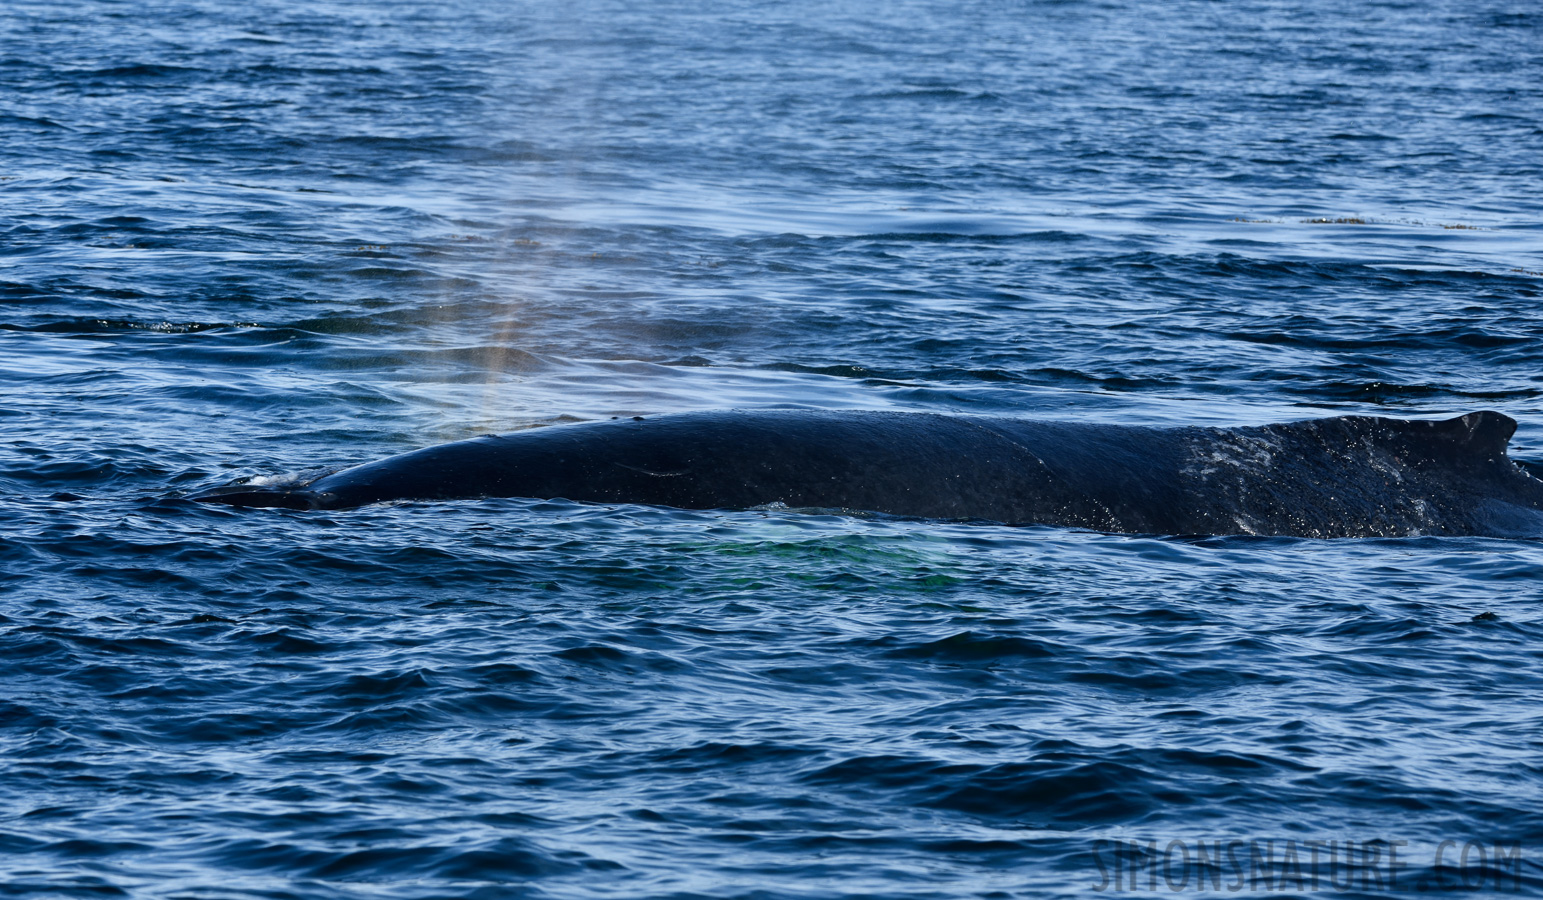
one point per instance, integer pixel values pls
(1349, 476)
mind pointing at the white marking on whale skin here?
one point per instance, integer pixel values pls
(275, 481)
(1239, 453)
(644, 471)
(1391, 472)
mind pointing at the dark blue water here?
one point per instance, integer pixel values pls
(264, 238)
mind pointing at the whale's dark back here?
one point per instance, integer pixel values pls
(1336, 477)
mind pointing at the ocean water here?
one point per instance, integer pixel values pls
(261, 239)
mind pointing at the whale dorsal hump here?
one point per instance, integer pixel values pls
(1484, 434)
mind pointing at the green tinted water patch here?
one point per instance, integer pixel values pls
(856, 562)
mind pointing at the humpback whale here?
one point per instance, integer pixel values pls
(1346, 476)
